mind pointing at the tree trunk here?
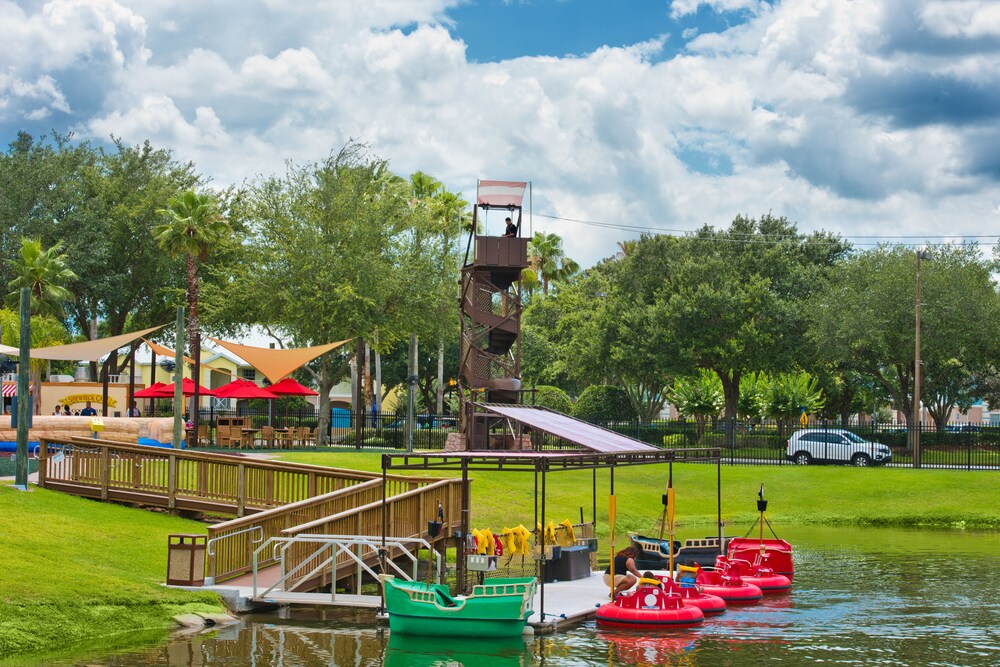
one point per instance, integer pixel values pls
(378, 381)
(194, 343)
(369, 393)
(731, 391)
(323, 423)
(439, 399)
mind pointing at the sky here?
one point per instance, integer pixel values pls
(874, 119)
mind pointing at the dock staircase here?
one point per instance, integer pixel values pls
(297, 529)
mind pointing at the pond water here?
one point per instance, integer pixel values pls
(861, 597)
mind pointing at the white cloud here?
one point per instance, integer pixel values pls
(962, 18)
(770, 106)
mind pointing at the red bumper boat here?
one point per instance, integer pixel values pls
(725, 582)
(650, 605)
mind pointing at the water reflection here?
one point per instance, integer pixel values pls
(873, 597)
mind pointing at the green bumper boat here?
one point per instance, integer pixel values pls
(499, 608)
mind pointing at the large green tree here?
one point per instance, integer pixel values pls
(867, 317)
(334, 252)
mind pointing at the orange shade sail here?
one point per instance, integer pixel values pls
(277, 363)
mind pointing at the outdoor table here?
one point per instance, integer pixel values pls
(252, 432)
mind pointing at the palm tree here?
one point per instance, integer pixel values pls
(194, 227)
(545, 255)
(627, 247)
(44, 273)
(452, 215)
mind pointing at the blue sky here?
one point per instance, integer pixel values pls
(496, 30)
(874, 118)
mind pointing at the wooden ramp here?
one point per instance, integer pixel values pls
(269, 500)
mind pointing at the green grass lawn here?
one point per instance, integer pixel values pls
(76, 570)
(810, 495)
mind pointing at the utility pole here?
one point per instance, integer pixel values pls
(179, 378)
(23, 399)
(916, 370)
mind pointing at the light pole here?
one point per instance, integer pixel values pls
(921, 254)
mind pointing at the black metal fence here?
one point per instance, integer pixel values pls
(965, 446)
(379, 430)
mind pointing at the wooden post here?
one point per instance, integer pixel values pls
(241, 489)
(172, 482)
(43, 461)
(105, 471)
(104, 385)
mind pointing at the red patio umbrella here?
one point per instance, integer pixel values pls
(243, 389)
(152, 391)
(187, 388)
(290, 387)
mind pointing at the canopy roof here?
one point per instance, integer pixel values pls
(242, 389)
(277, 363)
(291, 387)
(9, 351)
(500, 194)
(582, 433)
(152, 391)
(89, 350)
(187, 388)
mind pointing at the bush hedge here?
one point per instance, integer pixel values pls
(601, 402)
(553, 398)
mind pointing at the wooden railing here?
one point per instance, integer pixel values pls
(407, 516)
(270, 498)
(178, 479)
(231, 543)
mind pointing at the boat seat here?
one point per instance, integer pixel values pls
(446, 600)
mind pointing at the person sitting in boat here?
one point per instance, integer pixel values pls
(687, 575)
(626, 573)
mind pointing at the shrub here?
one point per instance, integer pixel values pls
(553, 398)
(674, 440)
(601, 402)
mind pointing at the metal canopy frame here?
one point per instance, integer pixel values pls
(541, 463)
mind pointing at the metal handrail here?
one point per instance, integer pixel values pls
(210, 547)
(339, 543)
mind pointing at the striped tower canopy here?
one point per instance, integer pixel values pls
(500, 194)
(9, 389)
(89, 350)
(277, 363)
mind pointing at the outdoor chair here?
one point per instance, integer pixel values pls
(204, 435)
(267, 436)
(286, 439)
(302, 436)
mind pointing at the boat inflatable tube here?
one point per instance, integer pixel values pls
(725, 582)
(649, 606)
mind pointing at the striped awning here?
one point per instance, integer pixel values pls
(500, 194)
(9, 389)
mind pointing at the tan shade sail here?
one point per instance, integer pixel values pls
(89, 350)
(9, 351)
(161, 351)
(274, 363)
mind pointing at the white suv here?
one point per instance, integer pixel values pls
(835, 445)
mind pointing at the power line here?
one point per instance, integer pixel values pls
(692, 233)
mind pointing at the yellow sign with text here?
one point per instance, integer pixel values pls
(83, 398)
